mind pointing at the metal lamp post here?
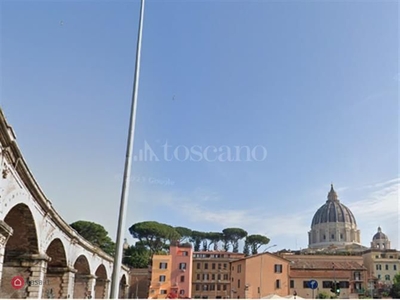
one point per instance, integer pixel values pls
(127, 171)
(261, 266)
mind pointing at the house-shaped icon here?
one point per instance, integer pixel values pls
(17, 282)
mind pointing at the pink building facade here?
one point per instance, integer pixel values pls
(181, 270)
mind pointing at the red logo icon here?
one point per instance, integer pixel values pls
(17, 282)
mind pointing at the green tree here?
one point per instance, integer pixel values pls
(395, 289)
(153, 235)
(215, 238)
(323, 295)
(234, 235)
(196, 238)
(184, 232)
(137, 256)
(246, 248)
(255, 241)
(95, 234)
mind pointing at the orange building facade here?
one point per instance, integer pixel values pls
(171, 275)
(260, 275)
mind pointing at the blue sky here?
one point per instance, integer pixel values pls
(315, 83)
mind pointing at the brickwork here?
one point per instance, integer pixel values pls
(139, 283)
(6, 289)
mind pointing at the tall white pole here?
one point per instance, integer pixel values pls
(127, 172)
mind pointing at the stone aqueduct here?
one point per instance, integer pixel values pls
(37, 244)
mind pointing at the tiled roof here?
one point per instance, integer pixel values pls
(325, 265)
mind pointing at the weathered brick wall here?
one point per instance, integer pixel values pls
(52, 285)
(80, 289)
(6, 290)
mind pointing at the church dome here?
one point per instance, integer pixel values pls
(380, 235)
(333, 211)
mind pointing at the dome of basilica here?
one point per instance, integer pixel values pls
(333, 211)
(333, 225)
(380, 235)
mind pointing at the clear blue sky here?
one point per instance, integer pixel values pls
(315, 83)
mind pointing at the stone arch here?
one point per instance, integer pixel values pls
(57, 268)
(123, 284)
(82, 289)
(101, 287)
(20, 249)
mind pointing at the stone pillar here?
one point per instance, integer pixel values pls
(91, 286)
(126, 291)
(68, 282)
(107, 289)
(38, 268)
(5, 233)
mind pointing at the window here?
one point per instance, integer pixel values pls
(305, 284)
(394, 267)
(218, 287)
(225, 287)
(219, 277)
(226, 277)
(198, 276)
(326, 284)
(292, 284)
(182, 292)
(379, 276)
(239, 268)
(344, 284)
(182, 266)
(206, 266)
(205, 287)
(277, 284)
(197, 287)
(163, 292)
(205, 276)
(386, 267)
(357, 276)
(212, 287)
(225, 266)
(182, 278)
(341, 236)
(378, 267)
(332, 236)
(239, 283)
(233, 268)
(324, 237)
(278, 268)
(163, 265)
(185, 253)
(213, 266)
(213, 277)
(232, 279)
(198, 265)
(219, 266)
(161, 278)
(387, 277)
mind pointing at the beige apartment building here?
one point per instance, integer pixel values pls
(381, 261)
(260, 275)
(211, 276)
(347, 270)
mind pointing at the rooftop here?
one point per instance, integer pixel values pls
(325, 265)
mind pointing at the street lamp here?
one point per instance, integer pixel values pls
(127, 170)
(261, 266)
